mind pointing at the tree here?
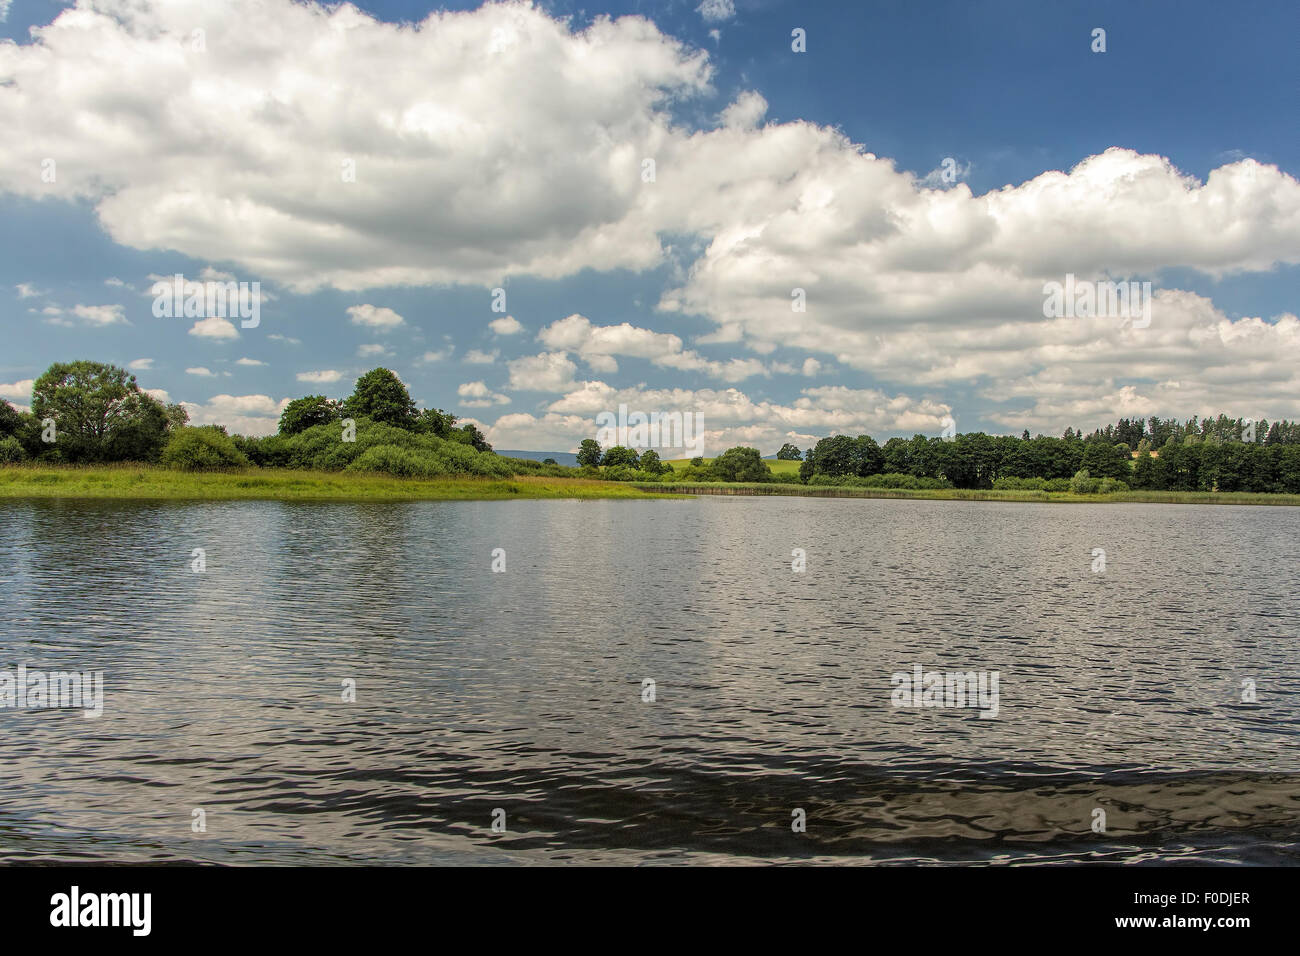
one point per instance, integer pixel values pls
(549, 461)
(200, 449)
(303, 413)
(589, 453)
(650, 462)
(99, 413)
(436, 422)
(789, 452)
(470, 435)
(380, 396)
(741, 464)
(618, 455)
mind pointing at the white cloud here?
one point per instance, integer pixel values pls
(249, 361)
(598, 346)
(214, 327)
(375, 317)
(160, 394)
(547, 372)
(200, 371)
(715, 11)
(140, 365)
(506, 325)
(323, 377)
(478, 395)
(26, 291)
(19, 390)
(241, 414)
(100, 314)
(116, 283)
(478, 357)
(373, 351)
(275, 336)
(440, 355)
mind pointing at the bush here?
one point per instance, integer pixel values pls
(1056, 484)
(399, 462)
(203, 448)
(11, 450)
(1083, 484)
(1112, 486)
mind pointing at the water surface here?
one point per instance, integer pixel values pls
(1119, 690)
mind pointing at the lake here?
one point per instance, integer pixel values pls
(1145, 712)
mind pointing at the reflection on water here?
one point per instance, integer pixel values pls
(1119, 691)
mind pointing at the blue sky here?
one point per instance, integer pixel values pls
(924, 295)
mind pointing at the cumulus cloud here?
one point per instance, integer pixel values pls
(908, 283)
(547, 372)
(241, 414)
(201, 372)
(598, 346)
(373, 351)
(729, 416)
(215, 327)
(479, 357)
(716, 11)
(322, 377)
(17, 391)
(478, 395)
(100, 314)
(506, 325)
(249, 361)
(140, 365)
(375, 317)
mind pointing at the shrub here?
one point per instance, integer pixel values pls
(399, 462)
(1056, 484)
(202, 448)
(11, 450)
(1083, 484)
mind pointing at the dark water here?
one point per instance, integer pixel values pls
(1119, 690)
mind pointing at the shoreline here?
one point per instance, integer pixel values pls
(155, 483)
(974, 494)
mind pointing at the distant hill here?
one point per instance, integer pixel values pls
(561, 457)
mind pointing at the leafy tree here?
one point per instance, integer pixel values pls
(618, 455)
(789, 452)
(380, 396)
(650, 462)
(436, 422)
(469, 434)
(549, 461)
(100, 413)
(589, 453)
(303, 413)
(741, 464)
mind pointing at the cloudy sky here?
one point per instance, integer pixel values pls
(649, 183)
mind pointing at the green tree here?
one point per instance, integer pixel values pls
(741, 464)
(380, 395)
(650, 462)
(303, 413)
(618, 455)
(589, 453)
(99, 413)
(436, 422)
(789, 452)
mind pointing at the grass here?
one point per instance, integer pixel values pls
(967, 494)
(153, 482)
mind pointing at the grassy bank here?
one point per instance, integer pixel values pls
(964, 494)
(151, 482)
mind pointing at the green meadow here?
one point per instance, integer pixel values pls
(152, 482)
